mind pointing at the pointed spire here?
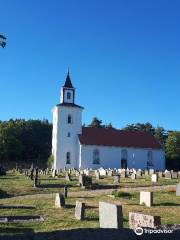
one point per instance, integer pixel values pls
(68, 83)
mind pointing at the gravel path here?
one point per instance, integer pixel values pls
(97, 192)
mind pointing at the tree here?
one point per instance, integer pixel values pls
(160, 135)
(173, 145)
(96, 123)
(2, 41)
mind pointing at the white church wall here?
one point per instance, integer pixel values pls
(110, 157)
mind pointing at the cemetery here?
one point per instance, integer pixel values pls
(38, 201)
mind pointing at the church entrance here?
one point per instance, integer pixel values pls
(124, 163)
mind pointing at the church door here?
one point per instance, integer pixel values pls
(124, 163)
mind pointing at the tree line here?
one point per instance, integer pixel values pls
(25, 141)
(29, 141)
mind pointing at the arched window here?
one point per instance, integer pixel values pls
(68, 134)
(68, 95)
(69, 120)
(96, 158)
(149, 158)
(68, 158)
(124, 157)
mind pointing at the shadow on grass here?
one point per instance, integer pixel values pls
(167, 204)
(99, 186)
(14, 230)
(54, 185)
(91, 233)
(4, 194)
(69, 206)
(16, 207)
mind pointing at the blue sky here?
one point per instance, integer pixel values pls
(124, 59)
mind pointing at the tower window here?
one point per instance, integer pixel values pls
(69, 120)
(68, 95)
(68, 158)
(68, 134)
(96, 158)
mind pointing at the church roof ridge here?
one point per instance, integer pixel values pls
(118, 138)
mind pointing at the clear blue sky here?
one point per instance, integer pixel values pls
(124, 59)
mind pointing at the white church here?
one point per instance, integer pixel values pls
(75, 146)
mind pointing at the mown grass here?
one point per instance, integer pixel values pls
(15, 187)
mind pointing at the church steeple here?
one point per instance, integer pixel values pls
(68, 83)
(67, 91)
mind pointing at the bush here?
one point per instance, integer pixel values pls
(50, 161)
(121, 194)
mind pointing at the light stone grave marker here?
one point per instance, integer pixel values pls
(110, 215)
(116, 179)
(178, 190)
(142, 220)
(133, 176)
(59, 201)
(168, 175)
(79, 210)
(154, 177)
(146, 198)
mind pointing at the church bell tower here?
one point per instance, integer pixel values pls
(67, 124)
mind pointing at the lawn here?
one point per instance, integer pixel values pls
(16, 189)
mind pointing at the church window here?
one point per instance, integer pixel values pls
(68, 158)
(68, 134)
(68, 95)
(149, 158)
(96, 158)
(69, 120)
(124, 158)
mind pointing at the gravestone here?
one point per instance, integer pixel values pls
(116, 179)
(141, 220)
(168, 175)
(102, 172)
(110, 215)
(110, 173)
(151, 171)
(79, 210)
(67, 177)
(85, 181)
(123, 174)
(146, 198)
(160, 174)
(154, 177)
(32, 174)
(59, 201)
(97, 175)
(139, 173)
(146, 172)
(174, 175)
(178, 190)
(133, 176)
(65, 191)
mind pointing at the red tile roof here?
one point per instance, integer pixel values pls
(117, 138)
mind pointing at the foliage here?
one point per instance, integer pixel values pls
(27, 141)
(173, 145)
(50, 161)
(121, 194)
